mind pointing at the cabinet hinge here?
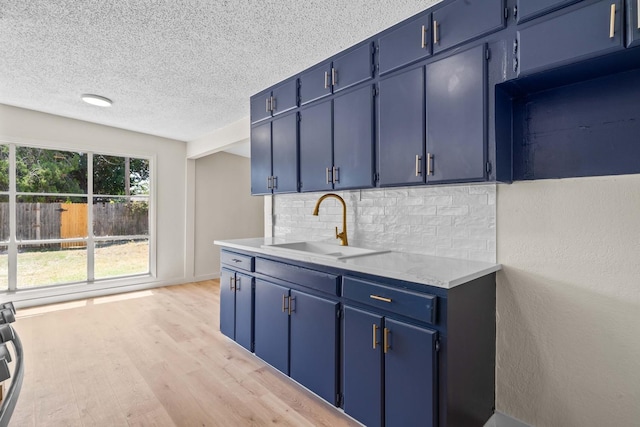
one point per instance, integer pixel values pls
(506, 12)
(488, 167)
(376, 177)
(339, 399)
(515, 11)
(487, 54)
(299, 115)
(339, 313)
(437, 346)
(374, 91)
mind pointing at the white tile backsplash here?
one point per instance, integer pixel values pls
(453, 221)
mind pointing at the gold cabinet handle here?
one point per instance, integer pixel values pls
(269, 186)
(418, 161)
(424, 36)
(267, 104)
(379, 298)
(326, 80)
(638, 10)
(336, 175)
(334, 76)
(284, 307)
(272, 104)
(375, 335)
(612, 24)
(386, 347)
(236, 284)
(231, 287)
(429, 168)
(274, 182)
(435, 32)
(328, 182)
(289, 308)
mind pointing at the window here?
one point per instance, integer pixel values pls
(69, 217)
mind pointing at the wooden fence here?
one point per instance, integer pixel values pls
(42, 221)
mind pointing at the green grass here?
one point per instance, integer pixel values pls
(70, 265)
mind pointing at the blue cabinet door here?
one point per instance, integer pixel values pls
(353, 139)
(464, 20)
(316, 157)
(527, 9)
(272, 325)
(244, 310)
(227, 304)
(261, 159)
(362, 366)
(260, 106)
(409, 375)
(284, 131)
(569, 36)
(355, 66)
(314, 347)
(633, 23)
(315, 83)
(406, 44)
(284, 97)
(401, 128)
(456, 131)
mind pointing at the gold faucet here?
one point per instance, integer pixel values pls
(342, 236)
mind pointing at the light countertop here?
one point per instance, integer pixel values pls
(424, 269)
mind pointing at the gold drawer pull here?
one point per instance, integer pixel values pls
(612, 24)
(376, 297)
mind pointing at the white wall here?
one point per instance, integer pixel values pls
(450, 221)
(26, 126)
(568, 301)
(224, 208)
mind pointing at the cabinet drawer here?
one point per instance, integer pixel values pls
(237, 261)
(407, 303)
(317, 280)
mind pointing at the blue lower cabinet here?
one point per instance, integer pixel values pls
(313, 344)
(362, 366)
(272, 325)
(409, 374)
(386, 357)
(244, 310)
(236, 307)
(227, 304)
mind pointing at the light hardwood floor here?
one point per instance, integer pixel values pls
(151, 358)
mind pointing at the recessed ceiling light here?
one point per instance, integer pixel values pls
(98, 100)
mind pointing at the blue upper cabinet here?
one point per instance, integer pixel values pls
(355, 66)
(284, 146)
(401, 128)
(261, 159)
(527, 9)
(456, 122)
(274, 156)
(280, 99)
(633, 23)
(353, 139)
(336, 142)
(315, 83)
(464, 20)
(316, 155)
(571, 35)
(408, 43)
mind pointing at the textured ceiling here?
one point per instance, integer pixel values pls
(174, 68)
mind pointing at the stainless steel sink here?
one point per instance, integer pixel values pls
(324, 250)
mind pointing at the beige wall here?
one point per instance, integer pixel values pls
(224, 208)
(568, 302)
